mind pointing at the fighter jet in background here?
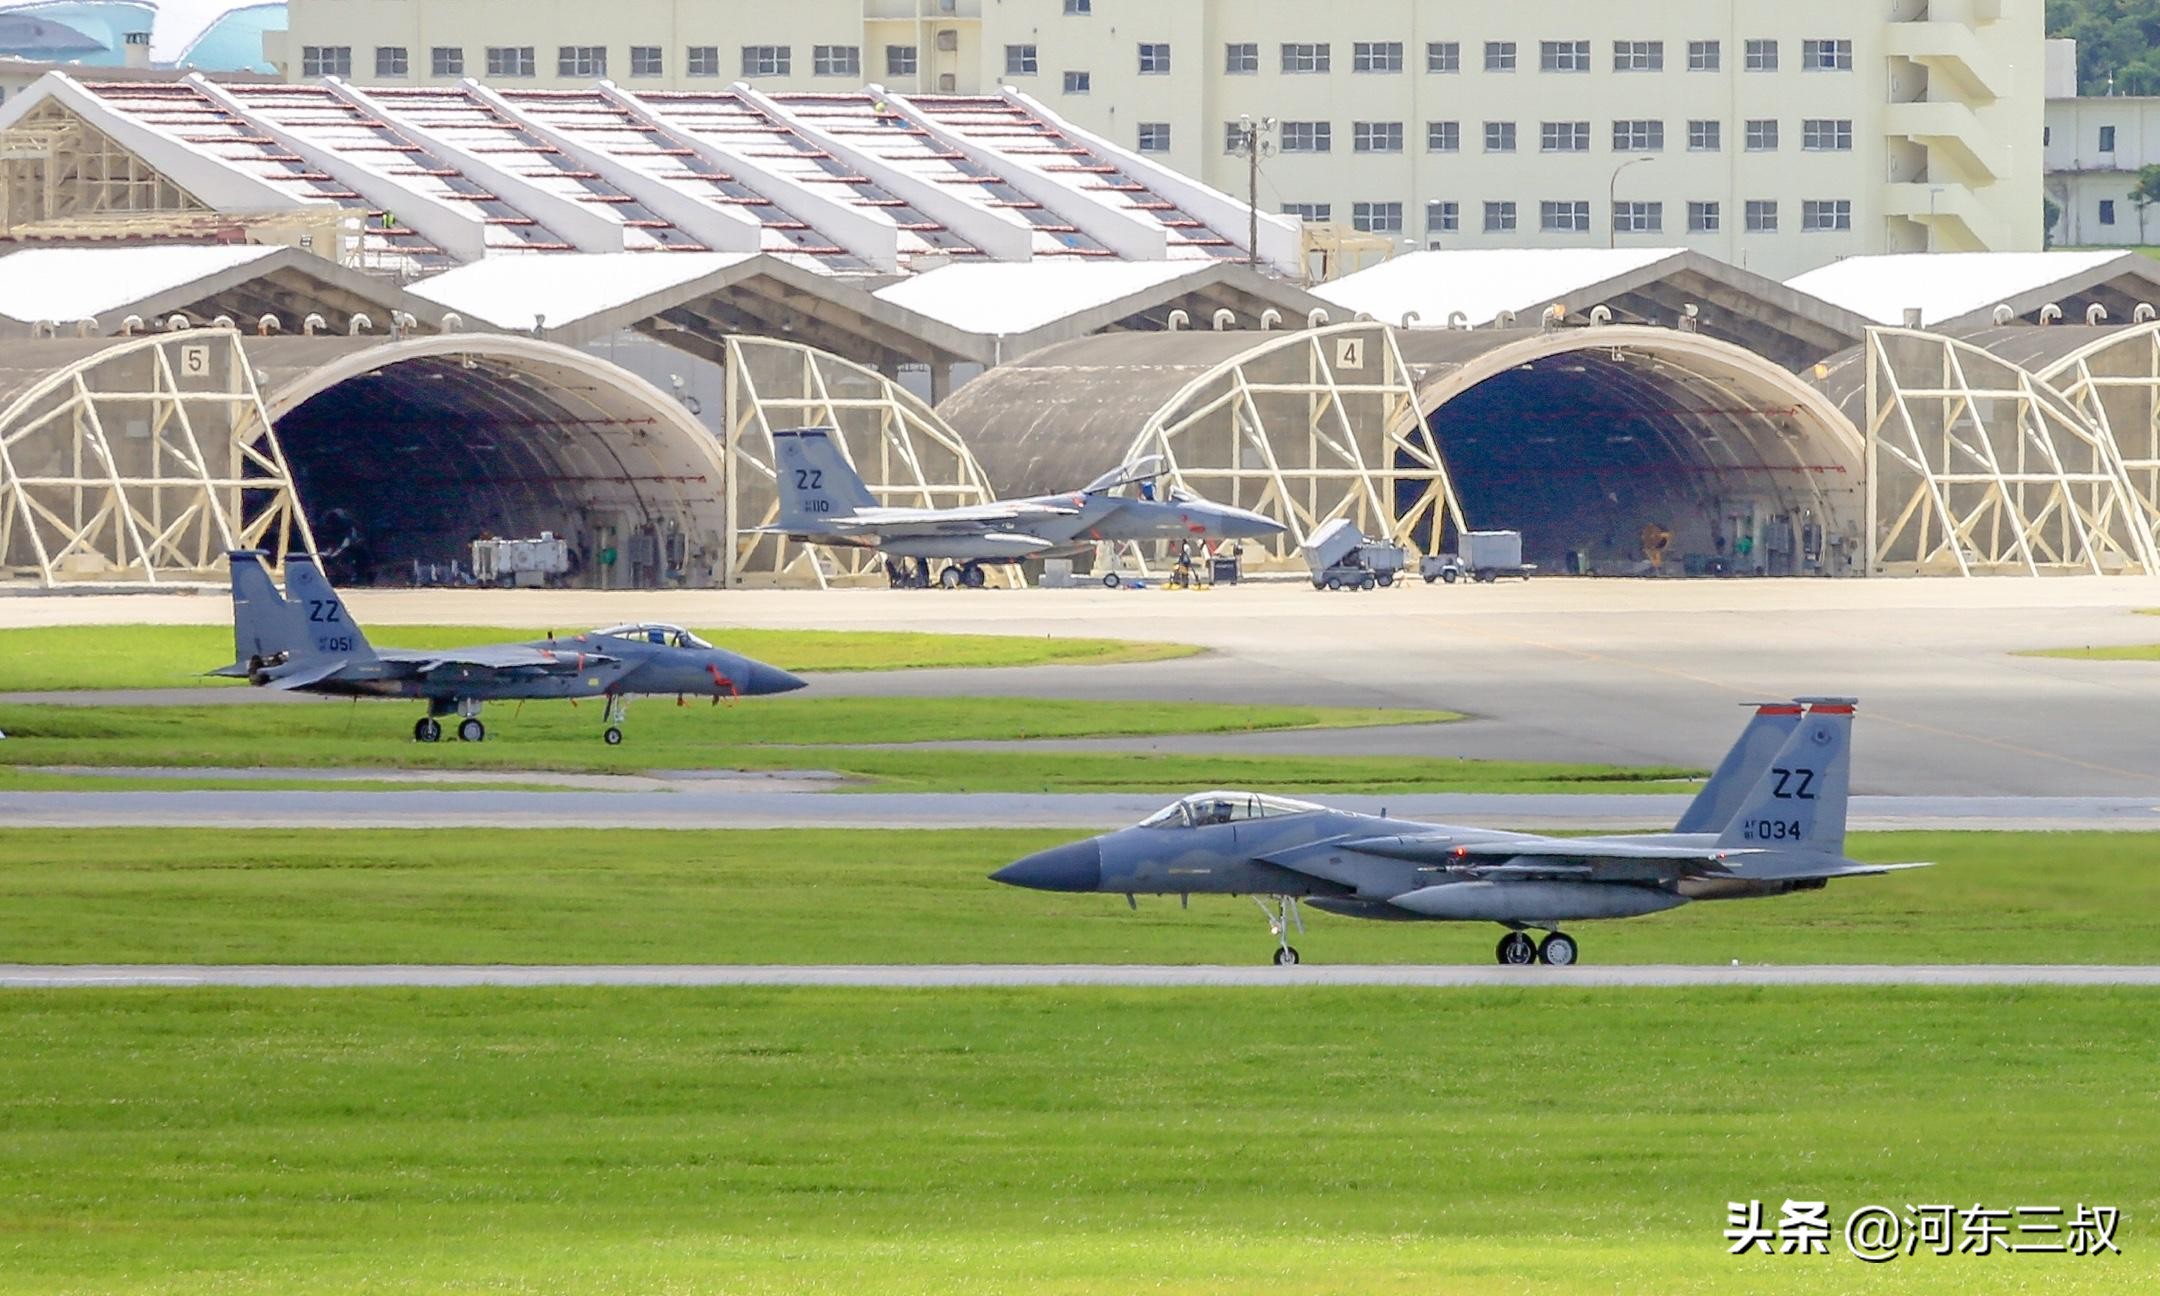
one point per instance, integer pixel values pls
(824, 501)
(305, 639)
(1770, 821)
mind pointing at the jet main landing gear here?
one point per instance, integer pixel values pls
(1280, 920)
(1516, 949)
(428, 728)
(618, 713)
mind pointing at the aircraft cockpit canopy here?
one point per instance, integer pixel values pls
(1202, 809)
(655, 632)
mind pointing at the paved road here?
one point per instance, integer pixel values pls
(744, 805)
(1630, 672)
(923, 976)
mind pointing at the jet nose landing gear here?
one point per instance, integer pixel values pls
(1280, 920)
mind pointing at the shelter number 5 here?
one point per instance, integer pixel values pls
(195, 361)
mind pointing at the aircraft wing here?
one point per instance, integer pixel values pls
(1562, 857)
(500, 659)
(314, 674)
(967, 519)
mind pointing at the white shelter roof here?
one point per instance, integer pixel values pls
(78, 283)
(1481, 283)
(509, 291)
(1017, 297)
(1945, 286)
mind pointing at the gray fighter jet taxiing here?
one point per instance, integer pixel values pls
(824, 501)
(1770, 821)
(305, 639)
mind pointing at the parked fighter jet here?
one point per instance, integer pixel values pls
(823, 501)
(1770, 821)
(308, 641)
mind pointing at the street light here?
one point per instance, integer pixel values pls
(1612, 205)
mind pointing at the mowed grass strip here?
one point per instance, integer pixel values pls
(1354, 1142)
(159, 656)
(793, 731)
(2111, 652)
(851, 896)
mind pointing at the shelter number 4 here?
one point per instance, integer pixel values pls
(1350, 353)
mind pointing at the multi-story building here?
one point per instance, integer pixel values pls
(1774, 136)
(2094, 148)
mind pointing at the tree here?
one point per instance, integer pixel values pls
(2050, 212)
(2118, 43)
(2146, 193)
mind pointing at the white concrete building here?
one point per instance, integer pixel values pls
(1775, 137)
(2094, 147)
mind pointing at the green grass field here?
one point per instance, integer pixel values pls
(2111, 652)
(794, 732)
(1360, 1143)
(834, 896)
(155, 656)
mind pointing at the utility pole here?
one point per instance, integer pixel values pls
(1252, 146)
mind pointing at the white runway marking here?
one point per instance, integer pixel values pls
(929, 976)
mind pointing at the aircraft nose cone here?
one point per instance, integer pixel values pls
(1076, 866)
(771, 679)
(1241, 524)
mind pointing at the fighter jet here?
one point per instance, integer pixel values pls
(306, 640)
(823, 501)
(1770, 821)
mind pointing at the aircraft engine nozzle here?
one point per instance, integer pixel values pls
(1535, 901)
(262, 670)
(1076, 866)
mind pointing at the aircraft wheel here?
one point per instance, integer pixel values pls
(613, 736)
(1516, 950)
(1286, 956)
(1110, 580)
(1557, 949)
(949, 578)
(471, 730)
(1386, 579)
(1448, 575)
(427, 729)
(972, 576)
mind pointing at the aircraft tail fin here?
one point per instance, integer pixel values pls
(1798, 802)
(816, 482)
(1766, 732)
(326, 626)
(265, 626)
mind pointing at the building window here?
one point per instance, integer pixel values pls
(1376, 56)
(1241, 58)
(1443, 56)
(1826, 214)
(1305, 58)
(1562, 56)
(1377, 217)
(2107, 139)
(1376, 137)
(1564, 137)
(1825, 56)
(1499, 217)
(1704, 136)
(1638, 217)
(645, 61)
(1499, 137)
(510, 60)
(1500, 57)
(2107, 211)
(1443, 137)
(1308, 137)
(581, 61)
(1154, 137)
(446, 61)
(701, 61)
(836, 60)
(326, 60)
(1762, 215)
(1826, 134)
(1564, 217)
(1640, 135)
(1019, 60)
(1762, 135)
(1761, 56)
(1077, 83)
(1443, 217)
(1079, 8)
(391, 61)
(900, 60)
(1154, 58)
(1702, 218)
(767, 60)
(1702, 56)
(1638, 56)
(1310, 212)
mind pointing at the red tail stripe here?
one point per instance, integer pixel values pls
(1777, 708)
(1830, 708)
